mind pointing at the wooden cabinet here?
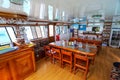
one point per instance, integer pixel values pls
(23, 64)
(17, 65)
(5, 71)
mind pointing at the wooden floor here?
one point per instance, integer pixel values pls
(99, 71)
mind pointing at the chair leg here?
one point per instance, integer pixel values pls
(74, 69)
(85, 75)
(71, 68)
(60, 62)
(51, 59)
(92, 62)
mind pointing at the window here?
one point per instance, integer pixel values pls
(11, 33)
(42, 11)
(51, 30)
(57, 29)
(6, 4)
(34, 32)
(43, 31)
(29, 33)
(4, 37)
(65, 29)
(56, 15)
(50, 12)
(26, 6)
(39, 34)
(61, 29)
(46, 31)
(63, 15)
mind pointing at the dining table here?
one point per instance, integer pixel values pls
(76, 47)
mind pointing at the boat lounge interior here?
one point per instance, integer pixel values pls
(51, 40)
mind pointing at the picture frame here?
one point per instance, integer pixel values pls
(96, 29)
(17, 2)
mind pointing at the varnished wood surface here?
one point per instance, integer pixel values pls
(99, 71)
(75, 50)
(13, 15)
(9, 54)
(17, 65)
(97, 42)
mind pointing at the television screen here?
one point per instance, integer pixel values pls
(96, 29)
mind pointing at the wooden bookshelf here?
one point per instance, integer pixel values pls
(106, 32)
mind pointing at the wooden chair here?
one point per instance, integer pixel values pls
(67, 58)
(56, 54)
(98, 44)
(84, 41)
(90, 42)
(79, 40)
(48, 52)
(81, 61)
(72, 39)
(92, 57)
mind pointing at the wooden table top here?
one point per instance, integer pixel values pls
(88, 49)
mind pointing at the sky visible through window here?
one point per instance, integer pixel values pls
(42, 11)
(50, 12)
(26, 6)
(11, 33)
(50, 30)
(4, 38)
(5, 3)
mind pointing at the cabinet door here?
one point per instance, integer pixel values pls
(24, 65)
(5, 71)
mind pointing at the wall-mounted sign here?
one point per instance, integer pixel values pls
(82, 27)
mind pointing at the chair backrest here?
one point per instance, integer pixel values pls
(79, 40)
(85, 41)
(56, 50)
(90, 42)
(72, 39)
(66, 53)
(97, 43)
(46, 48)
(82, 59)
